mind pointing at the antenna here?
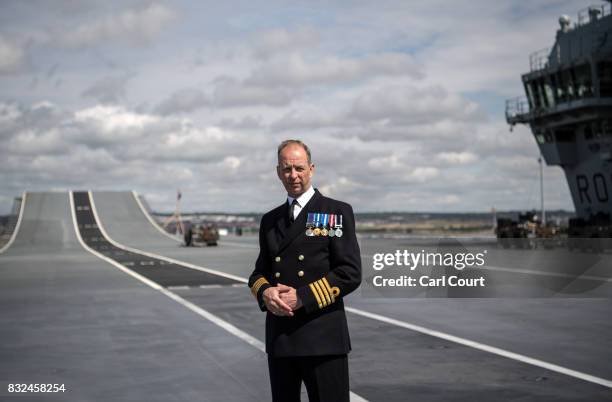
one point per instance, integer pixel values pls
(542, 191)
(176, 216)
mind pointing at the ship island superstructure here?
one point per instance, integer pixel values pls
(568, 105)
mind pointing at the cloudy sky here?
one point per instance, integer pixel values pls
(402, 102)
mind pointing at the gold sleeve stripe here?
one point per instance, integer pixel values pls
(257, 285)
(320, 292)
(329, 290)
(316, 295)
(323, 291)
(262, 281)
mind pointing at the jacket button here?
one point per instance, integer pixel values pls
(277, 274)
(300, 273)
(301, 257)
(277, 259)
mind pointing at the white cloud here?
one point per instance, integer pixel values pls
(11, 56)
(109, 89)
(449, 199)
(386, 163)
(247, 122)
(401, 104)
(183, 100)
(108, 145)
(339, 187)
(30, 142)
(112, 145)
(134, 26)
(9, 114)
(456, 158)
(282, 40)
(518, 163)
(413, 105)
(401, 170)
(230, 93)
(115, 122)
(231, 162)
(293, 70)
(226, 93)
(308, 117)
(422, 174)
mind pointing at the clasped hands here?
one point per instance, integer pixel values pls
(281, 300)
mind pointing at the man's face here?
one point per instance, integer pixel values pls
(294, 170)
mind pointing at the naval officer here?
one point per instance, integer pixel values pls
(308, 261)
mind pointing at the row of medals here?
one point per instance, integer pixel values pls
(331, 232)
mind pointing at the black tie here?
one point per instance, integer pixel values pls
(292, 210)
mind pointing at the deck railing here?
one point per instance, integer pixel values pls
(517, 109)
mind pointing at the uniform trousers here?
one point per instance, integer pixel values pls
(326, 378)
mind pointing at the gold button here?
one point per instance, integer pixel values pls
(277, 259)
(301, 257)
(277, 274)
(300, 273)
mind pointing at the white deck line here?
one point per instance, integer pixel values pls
(17, 225)
(150, 218)
(196, 309)
(236, 244)
(172, 260)
(178, 287)
(484, 347)
(417, 328)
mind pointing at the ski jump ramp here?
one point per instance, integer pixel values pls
(95, 296)
(69, 317)
(126, 221)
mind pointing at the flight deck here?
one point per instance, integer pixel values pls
(95, 296)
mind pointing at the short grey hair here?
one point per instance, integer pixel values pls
(286, 143)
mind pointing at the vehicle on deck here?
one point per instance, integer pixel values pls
(201, 235)
(529, 232)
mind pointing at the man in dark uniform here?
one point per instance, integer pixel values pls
(308, 261)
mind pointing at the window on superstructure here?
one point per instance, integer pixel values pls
(559, 88)
(535, 93)
(530, 97)
(597, 129)
(548, 136)
(568, 84)
(606, 128)
(588, 132)
(539, 98)
(543, 92)
(564, 135)
(548, 92)
(604, 71)
(584, 83)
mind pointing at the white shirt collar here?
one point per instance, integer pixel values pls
(302, 199)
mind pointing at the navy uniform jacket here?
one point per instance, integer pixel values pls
(322, 269)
